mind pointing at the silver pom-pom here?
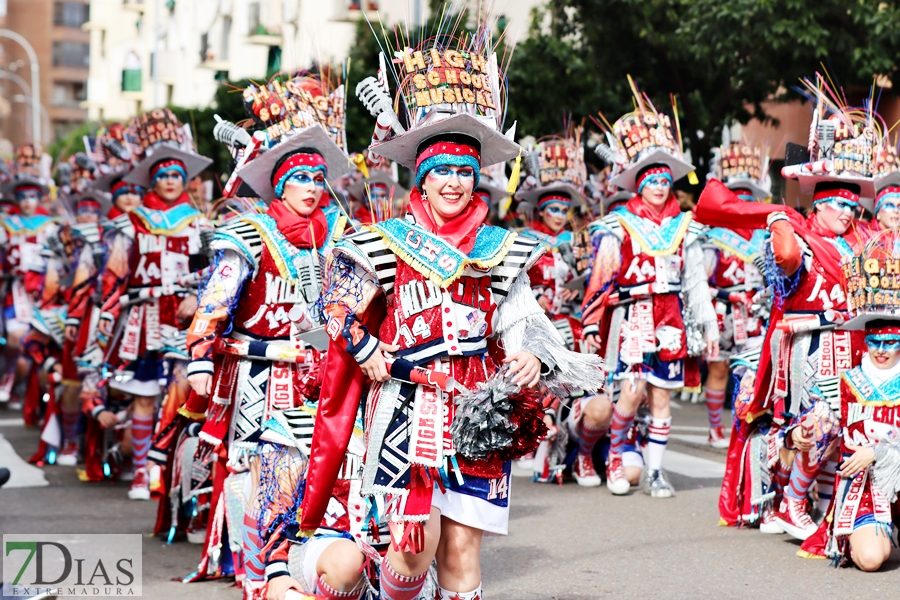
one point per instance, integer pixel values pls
(482, 422)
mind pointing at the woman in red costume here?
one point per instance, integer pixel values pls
(434, 310)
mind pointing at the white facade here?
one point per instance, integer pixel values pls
(235, 37)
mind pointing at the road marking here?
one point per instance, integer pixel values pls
(21, 473)
(12, 422)
(692, 466)
(689, 428)
(702, 440)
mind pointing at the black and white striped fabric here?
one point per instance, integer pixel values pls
(240, 236)
(89, 232)
(524, 252)
(368, 250)
(123, 224)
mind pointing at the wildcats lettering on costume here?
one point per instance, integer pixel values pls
(417, 296)
(283, 291)
(474, 292)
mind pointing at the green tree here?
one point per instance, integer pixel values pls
(721, 59)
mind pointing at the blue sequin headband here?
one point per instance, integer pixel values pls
(892, 196)
(279, 187)
(168, 169)
(453, 160)
(647, 179)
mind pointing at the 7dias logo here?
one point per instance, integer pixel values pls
(72, 565)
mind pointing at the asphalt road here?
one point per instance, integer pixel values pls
(565, 542)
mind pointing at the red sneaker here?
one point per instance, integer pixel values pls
(717, 437)
(140, 486)
(793, 516)
(616, 482)
(68, 456)
(584, 471)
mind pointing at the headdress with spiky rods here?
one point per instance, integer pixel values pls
(872, 280)
(556, 165)
(289, 113)
(644, 137)
(743, 165)
(844, 141)
(448, 81)
(162, 136)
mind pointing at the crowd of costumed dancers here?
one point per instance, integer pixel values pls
(324, 378)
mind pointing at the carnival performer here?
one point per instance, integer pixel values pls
(556, 180)
(647, 296)
(149, 273)
(431, 291)
(264, 286)
(861, 521)
(734, 278)
(26, 234)
(79, 248)
(799, 377)
(108, 434)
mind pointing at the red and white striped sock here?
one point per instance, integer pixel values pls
(141, 434)
(715, 400)
(657, 439)
(618, 430)
(825, 484)
(399, 587)
(588, 437)
(326, 591)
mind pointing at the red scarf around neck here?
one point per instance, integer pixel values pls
(460, 231)
(154, 201)
(642, 209)
(302, 232)
(541, 227)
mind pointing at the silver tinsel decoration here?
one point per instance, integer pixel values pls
(886, 470)
(482, 422)
(696, 344)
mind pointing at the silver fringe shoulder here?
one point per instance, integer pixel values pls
(886, 470)
(523, 326)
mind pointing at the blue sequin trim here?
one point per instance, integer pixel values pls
(165, 170)
(279, 187)
(447, 159)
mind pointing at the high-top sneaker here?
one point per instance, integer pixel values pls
(140, 486)
(717, 437)
(794, 518)
(616, 482)
(584, 471)
(767, 522)
(656, 486)
(68, 456)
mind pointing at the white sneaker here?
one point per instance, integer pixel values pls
(584, 472)
(196, 537)
(68, 456)
(616, 482)
(767, 522)
(140, 487)
(717, 438)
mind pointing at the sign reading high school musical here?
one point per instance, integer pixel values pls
(439, 76)
(641, 131)
(872, 282)
(284, 106)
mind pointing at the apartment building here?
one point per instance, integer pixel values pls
(54, 29)
(148, 53)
